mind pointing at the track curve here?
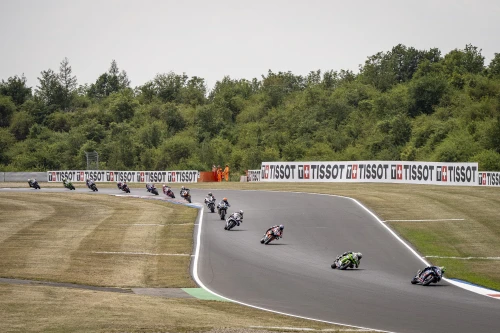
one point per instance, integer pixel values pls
(293, 275)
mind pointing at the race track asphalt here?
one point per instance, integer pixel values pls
(293, 275)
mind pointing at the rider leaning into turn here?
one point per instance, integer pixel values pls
(433, 268)
(237, 216)
(356, 255)
(183, 188)
(278, 232)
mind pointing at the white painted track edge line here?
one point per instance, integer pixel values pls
(201, 284)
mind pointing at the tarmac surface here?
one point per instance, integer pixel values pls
(293, 275)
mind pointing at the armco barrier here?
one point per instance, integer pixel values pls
(22, 176)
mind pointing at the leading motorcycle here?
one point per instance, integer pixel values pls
(428, 276)
(69, 185)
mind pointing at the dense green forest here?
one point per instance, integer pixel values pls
(404, 104)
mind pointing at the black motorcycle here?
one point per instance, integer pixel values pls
(428, 276)
(34, 184)
(92, 186)
(124, 188)
(152, 189)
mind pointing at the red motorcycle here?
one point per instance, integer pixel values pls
(168, 191)
(272, 234)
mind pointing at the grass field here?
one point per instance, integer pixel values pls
(60, 240)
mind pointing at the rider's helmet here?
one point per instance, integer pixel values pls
(29, 179)
(241, 212)
(183, 188)
(359, 255)
(209, 194)
(164, 185)
(282, 227)
(225, 199)
(443, 269)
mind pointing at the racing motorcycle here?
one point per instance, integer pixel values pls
(231, 222)
(92, 186)
(124, 187)
(222, 210)
(344, 262)
(33, 183)
(428, 276)
(185, 194)
(69, 185)
(168, 192)
(211, 204)
(270, 236)
(152, 189)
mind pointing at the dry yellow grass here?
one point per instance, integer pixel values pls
(104, 241)
(49, 309)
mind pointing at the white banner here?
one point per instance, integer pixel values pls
(438, 173)
(253, 175)
(181, 176)
(489, 178)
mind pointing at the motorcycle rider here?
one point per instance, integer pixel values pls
(210, 197)
(224, 202)
(65, 180)
(90, 182)
(237, 216)
(277, 231)
(31, 181)
(119, 184)
(184, 190)
(149, 186)
(165, 188)
(435, 269)
(356, 255)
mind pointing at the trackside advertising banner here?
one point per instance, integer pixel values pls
(184, 176)
(488, 178)
(436, 173)
(253, 175)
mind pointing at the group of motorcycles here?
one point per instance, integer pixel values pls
(236, 219)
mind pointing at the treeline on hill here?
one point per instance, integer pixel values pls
(405, 104)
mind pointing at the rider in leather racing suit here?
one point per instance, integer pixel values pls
(278, 232)
(433, 268)
(223, 202)
(210, 197)
(356, 255)
(237, 216)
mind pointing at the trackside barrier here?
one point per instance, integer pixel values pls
(22, 176)
(434, 173)
(489, 178)
(253, 175)
(181, 176)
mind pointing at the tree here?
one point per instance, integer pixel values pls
(109, 82)
(469, 60)
(494, 67)
(50, 90)
(7, 109)
(16, 88)
(68, 82)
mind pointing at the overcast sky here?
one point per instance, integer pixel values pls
(241, 39)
